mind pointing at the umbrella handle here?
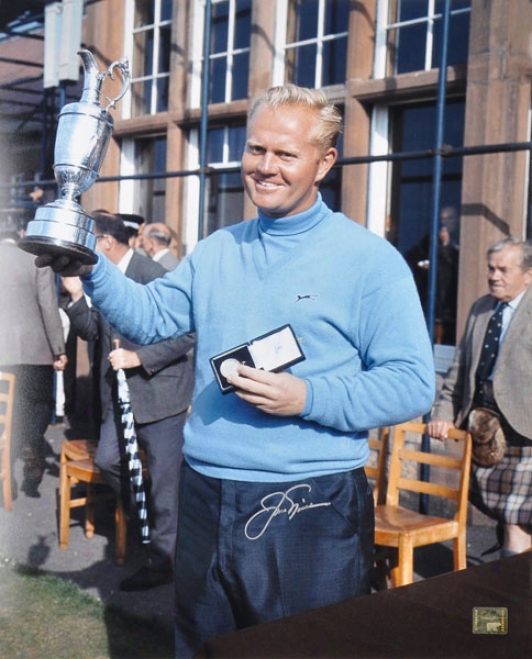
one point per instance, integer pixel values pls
(116, 344)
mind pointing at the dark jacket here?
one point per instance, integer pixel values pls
(163, 385)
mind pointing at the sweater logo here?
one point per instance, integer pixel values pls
(306, 296)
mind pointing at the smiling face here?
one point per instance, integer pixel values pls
(506, 279)
(281, 166)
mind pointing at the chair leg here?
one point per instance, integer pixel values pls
(64, 506)
(403, 573)
(90, 516)
(121, 533)
(6, 490)
(460, 552)
(6, 482)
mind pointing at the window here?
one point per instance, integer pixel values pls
(225, 191)
(409, 35)
(150, 60)
(316, 42)
(412, 199)
(150, 193)
(229, 50)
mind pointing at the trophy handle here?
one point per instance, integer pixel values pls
(123, 65)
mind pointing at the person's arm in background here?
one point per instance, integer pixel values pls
(49, 306)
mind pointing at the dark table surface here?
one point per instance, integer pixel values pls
(429, 618)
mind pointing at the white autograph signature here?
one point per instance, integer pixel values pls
(278, 503)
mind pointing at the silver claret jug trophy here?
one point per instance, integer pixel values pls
(63, 227)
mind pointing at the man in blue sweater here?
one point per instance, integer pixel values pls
(275, 514)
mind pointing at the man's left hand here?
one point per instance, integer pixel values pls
(121, 358)
(280, 394)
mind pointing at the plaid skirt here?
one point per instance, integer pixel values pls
(504, 491)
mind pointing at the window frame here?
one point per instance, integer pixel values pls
(384, 63)
(154, 76)
(282, 47)
(193, 188)
(198, 51)
(131, 199)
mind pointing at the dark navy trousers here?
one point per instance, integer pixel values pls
(249, 553)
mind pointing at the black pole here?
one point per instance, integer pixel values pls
(204, 118)
(436, 197)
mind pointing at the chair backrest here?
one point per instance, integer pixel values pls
(7, 397)
(376, 468)
(405, 472)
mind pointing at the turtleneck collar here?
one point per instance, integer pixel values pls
(293, 224)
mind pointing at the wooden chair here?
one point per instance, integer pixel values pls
(77, 466)
(402, 528)
(7, 398)
(376, 468)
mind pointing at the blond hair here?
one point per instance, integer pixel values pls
(328, 120)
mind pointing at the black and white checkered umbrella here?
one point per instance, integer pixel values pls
(132, 452)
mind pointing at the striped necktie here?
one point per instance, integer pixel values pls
(490, 347)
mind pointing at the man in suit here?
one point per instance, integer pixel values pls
(503, 490)
(156, 240)
(32, 346)
(160, 381)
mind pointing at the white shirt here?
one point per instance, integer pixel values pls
(125, 260)
(508, 313)
(159, 255)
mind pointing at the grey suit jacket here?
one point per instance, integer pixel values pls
(512, 378)
(163, 385)
(168, 261)
(30, 325)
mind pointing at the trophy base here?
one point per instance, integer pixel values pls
(38, 245)
(61, 228)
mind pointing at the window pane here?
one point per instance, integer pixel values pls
(411, 44)
(237, 141)
(217, 80)
(226, 201)
(165, 45)
(144, 12)
(331, 189)
(240, 76)
(331, 186)
(411, 9)
(215, 145)
(307, 19)
(141, 95)
(455, 4)
(334, 62)
(159, 161)
(458, 47)
(143, 54)
(166, 10)
(301, 63)
(162, 94)
(336, 16)
(219, 27)
(150, 158)
(242, 24)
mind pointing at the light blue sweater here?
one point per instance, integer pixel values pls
(352, 303)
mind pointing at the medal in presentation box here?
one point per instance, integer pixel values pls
(274, 351)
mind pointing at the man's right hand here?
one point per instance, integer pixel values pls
(63, 265)
(439, 429)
